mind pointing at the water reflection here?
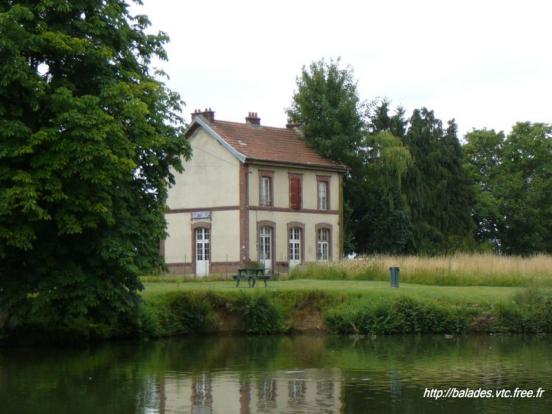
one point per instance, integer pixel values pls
(311, 390)
(276, 375)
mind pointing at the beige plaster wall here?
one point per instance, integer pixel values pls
(210, 177)
(178, 247)
(280, 182)
(281, 219)
(225, 237)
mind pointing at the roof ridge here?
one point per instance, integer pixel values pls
(254, 126)
(269, 144)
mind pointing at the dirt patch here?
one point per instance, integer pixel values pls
(483, 323)
(308, 320)
(228, 323)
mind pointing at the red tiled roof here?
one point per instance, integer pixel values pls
(270, 144)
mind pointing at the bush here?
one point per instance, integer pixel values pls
(257, 315)
(178, 313)
(400, 316)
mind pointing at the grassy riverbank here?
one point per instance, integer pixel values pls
(343, 307)
(176, 306)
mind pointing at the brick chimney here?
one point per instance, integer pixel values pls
(253, 119)
(208, 114)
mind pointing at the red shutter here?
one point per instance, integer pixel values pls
(295, 193)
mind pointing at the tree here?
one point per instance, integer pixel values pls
(327, 106)
(88, 135)
(437, 188)
(482, 161)
(524, 190)
(383, 225)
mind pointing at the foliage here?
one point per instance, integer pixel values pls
(425, 207)
(402, 316)
(327, 106)
(513, 179)
(525, 190)
(482, 159)
(363, 312)
(381, 220)
(89, 136)
(436, 186)
(257, 314)
(413, 188)
(372, 308)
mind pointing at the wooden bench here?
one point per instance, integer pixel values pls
(251, 275)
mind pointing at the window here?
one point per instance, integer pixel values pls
(295, 191)
(265, 197)
(295, 244)
(322, 244)
(323, 191)
(323, 195)
(265, 243)
(202, 244)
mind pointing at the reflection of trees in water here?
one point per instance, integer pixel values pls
(202, 397)
(128, 375)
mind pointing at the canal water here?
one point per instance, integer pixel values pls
(298, 374)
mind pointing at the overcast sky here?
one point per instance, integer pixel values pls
(484, 63)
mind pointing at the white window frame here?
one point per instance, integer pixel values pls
(265, 243)
(202, 243)
(323, 244)
(323, 188)
(294, 244)
(266, 191)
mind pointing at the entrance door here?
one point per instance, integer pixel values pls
(265, 248)
(202, 251)
(294, 247)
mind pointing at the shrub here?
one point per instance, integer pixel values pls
(257, 315)
(194, 313)
(400, 316)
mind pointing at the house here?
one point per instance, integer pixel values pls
(251, 193)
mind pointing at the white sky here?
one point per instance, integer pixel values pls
(485, 63)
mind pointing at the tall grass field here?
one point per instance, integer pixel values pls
(452, 270)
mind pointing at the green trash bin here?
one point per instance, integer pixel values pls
(394, 276)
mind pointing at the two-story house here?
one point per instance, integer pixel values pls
(251, 193)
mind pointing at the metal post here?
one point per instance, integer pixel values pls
(394, 276)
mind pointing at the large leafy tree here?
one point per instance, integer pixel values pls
(88, 136)
(482, 162)
(524, 190)
(327, 106)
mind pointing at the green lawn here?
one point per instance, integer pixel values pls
(450, 294)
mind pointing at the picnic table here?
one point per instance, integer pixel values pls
(251, 275)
